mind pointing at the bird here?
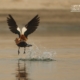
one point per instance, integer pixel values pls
(28, 28)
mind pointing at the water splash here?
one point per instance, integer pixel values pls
(36, 53)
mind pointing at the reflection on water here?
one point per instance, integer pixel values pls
(21, 72)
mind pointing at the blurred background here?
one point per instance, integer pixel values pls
(56, 17)
(57, 37)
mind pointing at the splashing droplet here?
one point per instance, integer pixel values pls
(36, 53)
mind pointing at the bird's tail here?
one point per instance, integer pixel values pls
(28, 45)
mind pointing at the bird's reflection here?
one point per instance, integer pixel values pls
(21, 73)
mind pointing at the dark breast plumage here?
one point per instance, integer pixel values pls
(23, 44)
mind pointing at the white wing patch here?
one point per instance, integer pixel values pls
(23, 30)
(18, 29)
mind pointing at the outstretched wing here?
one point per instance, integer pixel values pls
(32, 25)
(12, 25)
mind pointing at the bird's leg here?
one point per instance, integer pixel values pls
(18, 50)
(24, 49)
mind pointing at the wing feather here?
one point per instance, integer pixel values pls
(32, 25)
(12, 25)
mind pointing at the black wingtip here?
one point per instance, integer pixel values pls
(10, 15)
(37, 16)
